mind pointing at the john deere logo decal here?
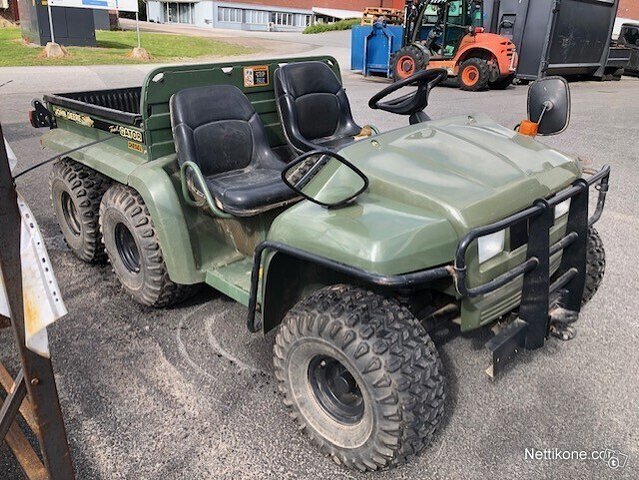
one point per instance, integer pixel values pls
(73, 117)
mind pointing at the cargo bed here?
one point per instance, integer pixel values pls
(120, 105)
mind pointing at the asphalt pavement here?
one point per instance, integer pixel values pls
(187, 392)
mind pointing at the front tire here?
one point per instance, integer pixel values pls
(361, 377)
(131, 243)
(474, 75)
(595, 265)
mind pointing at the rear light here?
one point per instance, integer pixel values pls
(479, 30)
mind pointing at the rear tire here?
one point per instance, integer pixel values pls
(360, 376)
(407, 61)
(131, 243)
(473, 75)
(502, 83)
(76, 193)
(595, 265)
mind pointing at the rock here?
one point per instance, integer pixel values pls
(53, 50)
(140, 53)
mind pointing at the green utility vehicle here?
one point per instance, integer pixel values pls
(256, 180)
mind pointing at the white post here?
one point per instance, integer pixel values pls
(137, 26)
(50, 22)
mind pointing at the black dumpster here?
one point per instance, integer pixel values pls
(71, 26)
(559, 37)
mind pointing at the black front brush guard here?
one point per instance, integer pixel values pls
(534, 322)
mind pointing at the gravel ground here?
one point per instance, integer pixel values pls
(187, 392)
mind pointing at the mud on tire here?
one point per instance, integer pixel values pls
(76, 192)
(131, 243)
(388, 359)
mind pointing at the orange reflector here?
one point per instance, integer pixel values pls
(526, 127)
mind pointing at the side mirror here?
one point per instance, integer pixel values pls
(549, 105)
(325, 178)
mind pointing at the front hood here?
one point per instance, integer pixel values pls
(429, 184)
(467, 169)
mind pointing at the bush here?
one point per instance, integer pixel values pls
(346, 24)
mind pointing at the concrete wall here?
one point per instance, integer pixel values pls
(154, 12)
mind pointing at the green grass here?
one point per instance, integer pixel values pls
(114, 48)
(346, 24)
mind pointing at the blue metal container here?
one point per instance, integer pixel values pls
(372, 47)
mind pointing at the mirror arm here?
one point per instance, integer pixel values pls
(548, 105)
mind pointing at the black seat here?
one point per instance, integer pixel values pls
(313, 107)
(217, 128)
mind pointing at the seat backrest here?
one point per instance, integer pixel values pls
(217, 128)
(312, 103)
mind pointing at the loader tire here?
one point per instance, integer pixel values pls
(131, 243)
(360, 376)
(595, 265)
(502, 83)
(407, 61)
(474, 75)
(76, 193)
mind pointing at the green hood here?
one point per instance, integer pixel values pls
(429, 184)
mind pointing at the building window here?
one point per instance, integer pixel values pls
(232, 15)
(281, 18)
(302, 20)
(179, 12)
(256, 17)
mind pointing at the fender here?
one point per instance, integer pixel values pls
(488, 46)
(159, 191)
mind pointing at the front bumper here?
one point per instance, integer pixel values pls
(538, 295)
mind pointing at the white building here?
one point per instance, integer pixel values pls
(238, 16)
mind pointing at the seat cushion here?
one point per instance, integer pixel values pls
(246, 192)
(217, 128)
(313, 106)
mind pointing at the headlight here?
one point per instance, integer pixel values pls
(562, 208)
(491, 245)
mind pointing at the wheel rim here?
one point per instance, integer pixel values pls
(127, 248)
(70, 214)
(470, 75)
(335, 389)
(405, 66)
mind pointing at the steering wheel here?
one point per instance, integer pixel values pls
(411, 103)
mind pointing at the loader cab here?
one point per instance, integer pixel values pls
(442, 26)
